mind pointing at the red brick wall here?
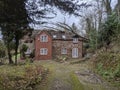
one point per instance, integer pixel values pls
(39, 45)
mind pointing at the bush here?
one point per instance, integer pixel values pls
(23, 50)
(32, 55)
(27, 79)
(108, 65)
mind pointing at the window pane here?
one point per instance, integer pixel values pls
(43, 51)
(43, 38)
(63, 51)
(75, 40)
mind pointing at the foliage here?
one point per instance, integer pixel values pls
(109, 29)
(32, 55)
(93, 37)
(108, 65)
(23, 50)
(24, 77)
(13, 22)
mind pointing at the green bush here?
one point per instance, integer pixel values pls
(116, 73)
(108, 65)
(25, 79)
(23, 50)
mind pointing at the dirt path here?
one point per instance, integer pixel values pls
(65, 76)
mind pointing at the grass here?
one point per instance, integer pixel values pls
(75, 82)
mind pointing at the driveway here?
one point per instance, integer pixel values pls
(66, 76)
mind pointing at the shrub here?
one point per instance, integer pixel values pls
(23, 50)
(108, 65)
(27, 79)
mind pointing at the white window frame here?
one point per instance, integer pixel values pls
(75, 52)
(63, 50)
(54, 36)
(75, 40)
(44, 38)
(63, 36)
(43, 51)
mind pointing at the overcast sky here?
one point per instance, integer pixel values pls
(69, 19)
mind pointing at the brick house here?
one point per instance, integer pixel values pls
(49, 44)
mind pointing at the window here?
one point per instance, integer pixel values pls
(54, 36)
(75, 53)
(43, 51)
(63, 51)
(75, 40)
(63, 36)
(43, 38)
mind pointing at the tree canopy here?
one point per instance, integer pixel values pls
(14, 20)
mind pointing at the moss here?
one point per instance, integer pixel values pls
(75, 82)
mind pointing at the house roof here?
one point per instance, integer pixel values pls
(61, 35)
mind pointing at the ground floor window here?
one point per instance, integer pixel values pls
(43, 51)
(75, 53)
(64, 51)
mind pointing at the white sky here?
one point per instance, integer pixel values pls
(67, 18)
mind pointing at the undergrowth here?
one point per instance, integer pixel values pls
(108, 65)
(21, 77)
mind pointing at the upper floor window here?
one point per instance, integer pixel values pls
(43, 38)
(64, 51)
(54, 36)
(43, 51)
(63, 36)
(75, 40)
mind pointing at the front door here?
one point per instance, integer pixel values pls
(75, 53)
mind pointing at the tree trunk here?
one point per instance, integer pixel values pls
(119, 5)
(9, 55)
(107, 4)
(119, 8)
(16, 49)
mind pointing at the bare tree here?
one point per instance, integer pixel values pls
(107, 4)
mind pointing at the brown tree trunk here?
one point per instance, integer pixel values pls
(16, 49)
(118, 7)
(9, 55)
(108, 8)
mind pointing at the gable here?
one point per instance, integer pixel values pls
(42, 33)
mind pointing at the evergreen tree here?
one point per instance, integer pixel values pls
(13, 22)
